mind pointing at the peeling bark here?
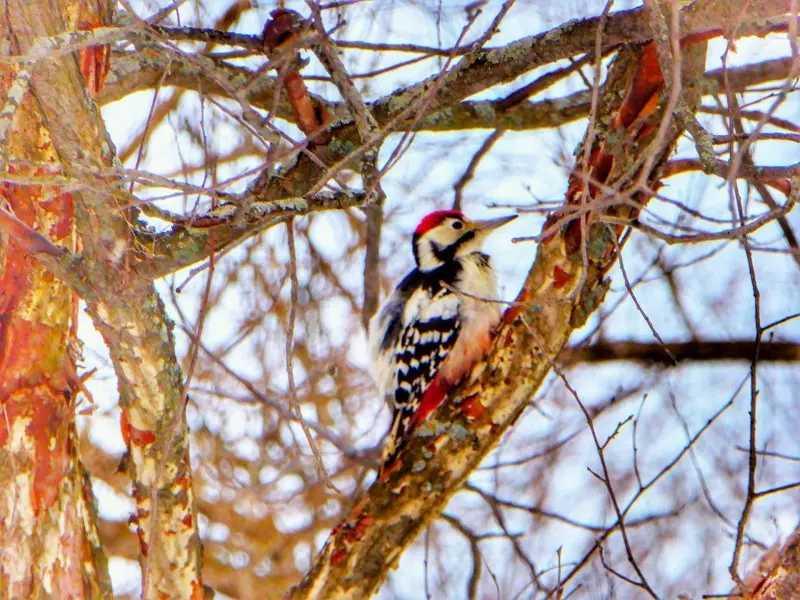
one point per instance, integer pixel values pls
(139, 336)
(777, 574)
(48, 521)
(126, 310)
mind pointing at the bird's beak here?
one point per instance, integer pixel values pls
(489, 225)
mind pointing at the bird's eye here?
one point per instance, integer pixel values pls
(457, 225)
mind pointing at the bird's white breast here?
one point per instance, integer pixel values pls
(479, 315)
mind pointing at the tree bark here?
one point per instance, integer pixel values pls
(777, 574)
(48, 521)
(124, 307)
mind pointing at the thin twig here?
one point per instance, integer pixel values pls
(323, 472)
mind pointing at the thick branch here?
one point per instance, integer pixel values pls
(134, 72)
(483, 69)
(193, 238)
(501, 65)
(143, 70)
(542, 114)
(732, 350)
(564, 286)
(179, 248)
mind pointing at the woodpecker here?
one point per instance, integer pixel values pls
(436, 324)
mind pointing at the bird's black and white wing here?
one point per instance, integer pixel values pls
(411, 336)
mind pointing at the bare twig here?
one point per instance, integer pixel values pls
(323, 472)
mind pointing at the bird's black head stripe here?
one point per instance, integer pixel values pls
(444, 254)
(447, 254)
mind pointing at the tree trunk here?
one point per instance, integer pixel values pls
(59, 132)
(47, 514)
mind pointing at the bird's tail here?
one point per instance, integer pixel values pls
(396, 440)
(405, 419)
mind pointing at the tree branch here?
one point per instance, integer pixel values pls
(560, 292)
(189, 240)
(487, 68)
(728, 350)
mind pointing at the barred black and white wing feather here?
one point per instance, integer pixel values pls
(411, 336)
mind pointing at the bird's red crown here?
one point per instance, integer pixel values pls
(435, 218)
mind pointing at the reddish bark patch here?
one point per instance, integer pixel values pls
(550, 228)
(143, 547)
(641, 101)
(95, 61)
(34, 365)
(141, 437)
(338, 557)
(472, 408)
(646, 130)
(648, 109)
(561, 277)
(197, 591)
(348, 534)
(124, 428)
(131, 435)
(15, 277)
(31, 352)
(782, 185)
(573, 237)
(279, 33)
(26, 338)
(22, 199)
(701, 36)
(23, 350)
(514, 311)
(362, 527)
(63, 206)
(598, 168)
(646, 83)
(49, 430)
(46, 411)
